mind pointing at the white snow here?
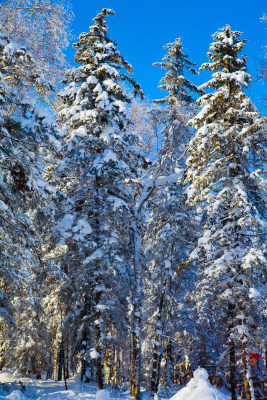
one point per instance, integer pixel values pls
(16, 395)
(199, 388)
(95, 256)
(82, 228)
(3, 206)
(81, 132)
(150, 183)
(253, 293)
(94, 354)
(102, 395)
(92, 80)
(117, 203)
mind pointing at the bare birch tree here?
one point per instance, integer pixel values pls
(43, 27)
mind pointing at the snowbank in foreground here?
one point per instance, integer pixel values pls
(102, 395)
(16, 395)
(199, 389)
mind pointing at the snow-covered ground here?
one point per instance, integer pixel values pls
(197, 389)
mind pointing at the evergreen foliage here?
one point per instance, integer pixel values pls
(95, 227)
(25, 131)
(129, 246)
(174, 83)
(226, 172)
(169, 234)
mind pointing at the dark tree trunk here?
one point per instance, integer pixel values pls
(67, 359)
(60, 363)
(99, 369)
(135, 367)
(155, 373)
(232, 357)
(169, 365)
(99, 347)
(86, 372)
(233, 371)
(247, 387)
(135, 380)
(107, 366)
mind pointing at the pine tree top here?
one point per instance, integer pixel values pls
(95, 48)
(95, 97)
(223, 52)
(228, 123)
(174, 82)
(229, 79)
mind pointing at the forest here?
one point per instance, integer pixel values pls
(132, 232)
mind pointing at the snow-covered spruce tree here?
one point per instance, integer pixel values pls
(96, 226)
(226, 171)
(169, 230)
(179, 88)
(168, 238)
(24, 128)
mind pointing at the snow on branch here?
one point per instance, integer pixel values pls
(150, 184)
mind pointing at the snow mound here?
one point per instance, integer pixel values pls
(16, 395)
(102, 395)
(6, 377)
(62, 395)
(198, 388)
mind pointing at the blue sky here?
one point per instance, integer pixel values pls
(142, 27)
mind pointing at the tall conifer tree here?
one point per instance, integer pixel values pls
(25, 133)
(169, 230)
(226, 171)
(96, 223)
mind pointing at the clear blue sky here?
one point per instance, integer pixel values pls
(142, 27)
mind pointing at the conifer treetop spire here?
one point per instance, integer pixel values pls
(174, 82)
(223, 52)
(229, 79)
(89, 46)
(95, 94)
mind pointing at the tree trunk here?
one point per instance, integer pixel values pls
(107, 366)
(233, 370)
(169, 366)
(155, 373)
(135, 380)
(232, 357)
(99, 369)
(64, 366)
(116, 368)
(60, 363)
(100, 350)
(248, 387)
(135, 367)
(86, 364)
(67, 359)
(55, 363)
